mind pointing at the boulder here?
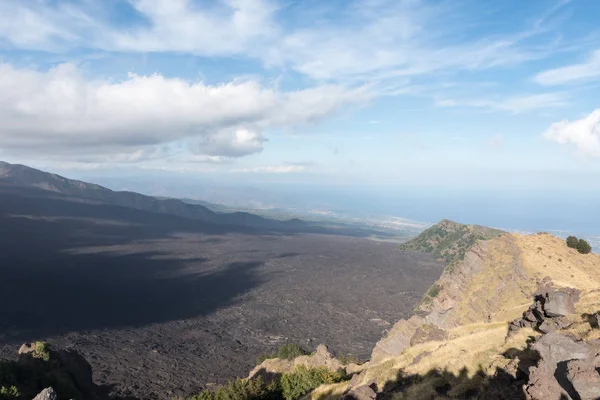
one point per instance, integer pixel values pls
(560, 302)
(548, 325)
(26, 348)
(364, 392)
(549, 311)
(46, 394)
(584, 377)
(532, 318)
(67, 370)
(548, 379)
(78, 369)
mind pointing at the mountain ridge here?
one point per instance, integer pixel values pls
(24, 176)
(466, 326)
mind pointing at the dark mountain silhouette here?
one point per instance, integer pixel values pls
(24, 176)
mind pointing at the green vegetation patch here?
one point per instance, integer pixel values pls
(580, 245)
(9, 392)
(298, 383)
(286, 352)
(41, 350)
(291, 351)
(449, 241)
(289, 386)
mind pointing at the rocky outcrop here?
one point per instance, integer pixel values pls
(428, 333)
(491, 274)
(271, 368)
(548, 379)
(549, 311)
(550, 350)
(584, 377)
(39, 364)
(364, 392)
(558, 303)
(47, 394)
(397, 339)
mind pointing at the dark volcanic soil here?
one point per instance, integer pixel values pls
(162, 306)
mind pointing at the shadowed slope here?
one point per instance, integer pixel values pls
(49, 266)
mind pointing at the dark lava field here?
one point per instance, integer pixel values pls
(163, 306)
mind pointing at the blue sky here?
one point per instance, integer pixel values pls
(432, 93)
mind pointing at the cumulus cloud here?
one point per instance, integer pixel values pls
(572, 73)
(583, 133)
(131, 119)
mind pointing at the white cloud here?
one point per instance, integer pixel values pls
(236, 142)
(367, 40)
(583, 133)
(228, 27)
(515, 105)
(274, 169)
(572, 73)
(61, 112)
(383, 40)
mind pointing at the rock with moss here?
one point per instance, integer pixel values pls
(321, 358)
(40, 366)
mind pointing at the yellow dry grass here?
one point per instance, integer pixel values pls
(328, 392)
(546, 255)
(472, 347)
(513, 266)
(500, 288)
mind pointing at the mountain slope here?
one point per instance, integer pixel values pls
(478, 313)
(23, 176)
(449, 241)
(515, 319)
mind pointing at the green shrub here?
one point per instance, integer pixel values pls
(41, 350)
(290, 386)
(242, 389)
(572, 242)
(9, 375)
(291, 351)
(296, 384)
(583, 247)
(9, 392)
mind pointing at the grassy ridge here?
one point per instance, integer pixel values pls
(449, 241)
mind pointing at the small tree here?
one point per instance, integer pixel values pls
(572, 242)
(583, 247)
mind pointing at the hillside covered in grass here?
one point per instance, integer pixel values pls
(449, 241)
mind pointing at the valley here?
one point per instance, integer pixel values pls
(162, 305)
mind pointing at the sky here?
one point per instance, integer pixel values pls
(420, 93)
